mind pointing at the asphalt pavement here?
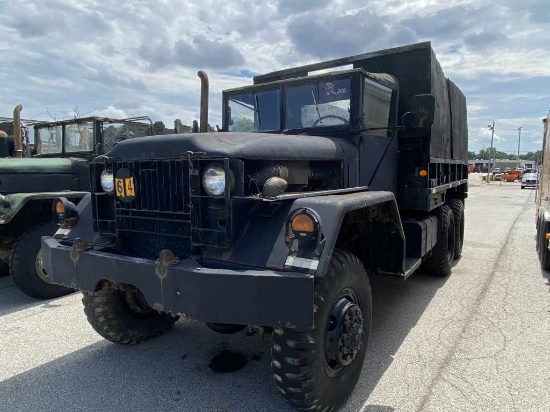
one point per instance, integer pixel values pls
(475, 341)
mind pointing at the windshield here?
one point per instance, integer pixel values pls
(114, 133)
(260, 111)
(50, 139)
(318, 104)
(79, 137)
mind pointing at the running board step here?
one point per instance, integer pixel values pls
(411, 264)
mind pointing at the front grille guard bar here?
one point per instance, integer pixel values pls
(179, 197)
(201, 204)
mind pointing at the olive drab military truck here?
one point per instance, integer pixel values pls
(31, 177)
(543, 202)
(315, 183)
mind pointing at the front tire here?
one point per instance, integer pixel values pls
(124, 316)
(441, 259)
(26, 264)
(317, 369)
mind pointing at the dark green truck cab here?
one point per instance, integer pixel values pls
(57, 164)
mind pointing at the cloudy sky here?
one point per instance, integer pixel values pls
(130, 58)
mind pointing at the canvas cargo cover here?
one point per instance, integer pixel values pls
(418, 72)
(459, 122)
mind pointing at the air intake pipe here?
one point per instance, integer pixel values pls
(204, 101)
(17, 139)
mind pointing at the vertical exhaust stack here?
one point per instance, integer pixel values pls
(204, 101)
(17, 139)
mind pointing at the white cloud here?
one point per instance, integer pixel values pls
(111, 111)
(137, 58)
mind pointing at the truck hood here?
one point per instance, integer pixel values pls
(236, 145)
(36, 165)
(34, 175)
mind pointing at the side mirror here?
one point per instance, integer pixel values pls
(422, 110)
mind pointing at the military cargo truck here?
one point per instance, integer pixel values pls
(59, 166)
(315, 183)
(542, 200)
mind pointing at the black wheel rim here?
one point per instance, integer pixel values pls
(344, 333)
(40, 269)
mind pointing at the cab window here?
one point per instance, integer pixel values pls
(376, 105)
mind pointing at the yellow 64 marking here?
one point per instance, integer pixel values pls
(125, 187)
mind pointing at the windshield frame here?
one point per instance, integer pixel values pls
(355, 76)
(97, 136)
(255, 108)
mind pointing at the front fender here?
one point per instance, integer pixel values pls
(544, 214)
(84, 227)
(12, 204)
(262, 241)
(332, 210)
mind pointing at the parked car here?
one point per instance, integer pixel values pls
(496, 170)
(508, 169)
(529, 180)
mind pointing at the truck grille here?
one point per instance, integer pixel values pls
(160, 186)
(166, 209)
(158, 216)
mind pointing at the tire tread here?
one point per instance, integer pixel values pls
(107, 316)
(438, 264)
(294, 352)
(22, 265)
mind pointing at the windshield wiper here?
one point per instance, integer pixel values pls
(243, 104)
(257, 110)
(316, 107)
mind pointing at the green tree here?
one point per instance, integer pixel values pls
(487, 153)
(532, 156)
(241, 124)
(503, 155)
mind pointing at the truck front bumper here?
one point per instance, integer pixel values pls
(243, 297)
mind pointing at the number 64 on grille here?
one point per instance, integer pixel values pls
(124, 185)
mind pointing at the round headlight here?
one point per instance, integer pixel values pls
(107, 181)
(213, 180)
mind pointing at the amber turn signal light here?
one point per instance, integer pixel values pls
(423, 173)
(302, 222)
(59, 207)
(63, 210)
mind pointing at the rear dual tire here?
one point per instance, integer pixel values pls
(542, 245)
(457, 207)
(439, 263)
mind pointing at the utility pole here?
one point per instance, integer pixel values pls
(491, 165)
(519, 140)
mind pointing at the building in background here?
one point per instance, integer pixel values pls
(482, 165)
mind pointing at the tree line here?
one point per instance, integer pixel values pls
(489, 153)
